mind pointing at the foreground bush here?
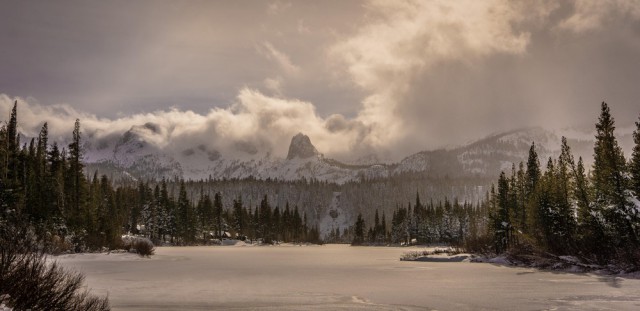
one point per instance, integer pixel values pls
(28, 281)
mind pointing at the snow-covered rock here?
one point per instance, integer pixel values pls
(301, 147)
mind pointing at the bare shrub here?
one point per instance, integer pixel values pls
(144, 247)
(29, 282)
(139, 245)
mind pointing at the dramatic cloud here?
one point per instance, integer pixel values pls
(438, 71)
(384, 77)
(407, 38)
(254, 124)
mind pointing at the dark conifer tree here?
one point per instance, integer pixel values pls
(532, 178)
(265, 220)
(184, 220)
(206, 214)
(75, 179)
(358, 233)
(501, 225)
(610, 184)
(239, 216)
(634, 162)
(217, 206)
(582, 194)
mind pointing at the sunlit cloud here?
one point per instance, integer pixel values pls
(384, 77)
(255, 124)
(404, 39)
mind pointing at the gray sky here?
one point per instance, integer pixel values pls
(356, 76)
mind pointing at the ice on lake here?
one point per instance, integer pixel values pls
(337, 277)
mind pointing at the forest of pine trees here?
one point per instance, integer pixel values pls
(564, 208)
(432, 223)
(44, 187)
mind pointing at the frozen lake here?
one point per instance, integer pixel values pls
(336, 277)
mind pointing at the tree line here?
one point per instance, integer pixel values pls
(44, 187)
(444, 222)
(182, 221)
(566, 209)
(562, 209)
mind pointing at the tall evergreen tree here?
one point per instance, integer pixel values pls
(582, 194)
(533, 170)
(206, 213)
(184, 218)
(565, 185)
(358, 234)
(75, 178)
(217, 206)
(634, 162)
(502, 227)
(532, 178)
(610, 184)
(265, 220)
(609, 164)
(239, 216)
(12, 131)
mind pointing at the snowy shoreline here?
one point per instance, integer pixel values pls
(548, 262)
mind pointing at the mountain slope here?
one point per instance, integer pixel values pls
(134, 154)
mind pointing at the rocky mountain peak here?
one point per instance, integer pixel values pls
(301, 147)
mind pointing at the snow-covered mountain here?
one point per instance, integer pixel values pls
(136, 154)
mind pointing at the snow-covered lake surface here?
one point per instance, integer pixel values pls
(336, 277)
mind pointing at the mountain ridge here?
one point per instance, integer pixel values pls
(132, 154)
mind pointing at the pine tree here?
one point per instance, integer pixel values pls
(519, 189)
(239, 220)
(183, 216)
(206, 214)
(12, 193)
(634, 162)
(358, 233)
(383, 228)
(582, 194)
(12, 132)
(634, 170)
(533, 170)
(609, 163)
(265, 220)
(217, 207)
(55, 187)
(610, 184)
(287, 224)
(532, 178)
(75, 179)
(502, 227)
(108, 226)
(566, 222)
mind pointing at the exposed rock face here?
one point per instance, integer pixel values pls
(301, 147)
